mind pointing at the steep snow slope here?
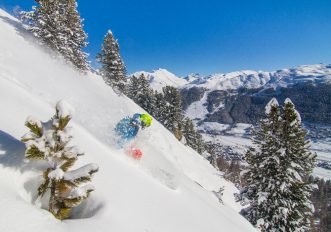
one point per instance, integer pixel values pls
(162, 77)
(170, 189)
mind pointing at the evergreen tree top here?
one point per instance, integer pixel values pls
(64, 109)
(57, 25)
(289, 106)
(272, 103)
(112, 69)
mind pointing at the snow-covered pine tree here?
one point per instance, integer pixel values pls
(50, 142)
(192, 137)
(214, 158)
(275, 186)
(57, 24)
(145, 96)
(189, 133)
(321, 200)
(75, 37)
(199, 143)
(265, 187)
(133, 88)
(174, 116)
(159, 108)
(43, 21)
(112, 68)
(299, 165)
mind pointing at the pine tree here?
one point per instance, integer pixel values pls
(192, 137)
(264, 179)
(214, 157)
(279, 198)
(50, 141)
(159, 108)
(133, 88)
(139, 90)
(75, 37)
(174, 119)
(199, 143)
(321, 199)
(145, 95)
(300, 163)
(57, 24)
(113, 69)
(189, 133)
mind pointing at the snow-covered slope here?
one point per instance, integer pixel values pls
(162, 77)
(169, 189)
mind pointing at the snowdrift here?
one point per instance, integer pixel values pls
(169, 189)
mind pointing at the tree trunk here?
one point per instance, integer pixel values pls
(52, 199)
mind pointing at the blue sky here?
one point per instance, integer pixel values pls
(209, 36)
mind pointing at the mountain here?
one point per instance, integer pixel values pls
(160, 78)
(239, 97)
(170, 189)
(249, 79)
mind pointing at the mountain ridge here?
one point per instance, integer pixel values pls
(241, 79)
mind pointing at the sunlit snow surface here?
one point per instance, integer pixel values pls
(169, 189)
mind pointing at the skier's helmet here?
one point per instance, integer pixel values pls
(146, 120)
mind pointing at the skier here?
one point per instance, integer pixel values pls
(127, 129)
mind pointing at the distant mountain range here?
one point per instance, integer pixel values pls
(239, 97)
